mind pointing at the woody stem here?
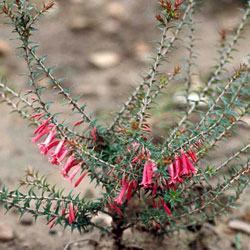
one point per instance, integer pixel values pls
(117, 232)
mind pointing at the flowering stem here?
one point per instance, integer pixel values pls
(227, 185)
(7, 90)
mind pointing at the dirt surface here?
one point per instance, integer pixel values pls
(70, 35)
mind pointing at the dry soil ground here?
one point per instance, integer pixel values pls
(71, 35)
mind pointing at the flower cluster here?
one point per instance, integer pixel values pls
(182, 167)
(58, 149)
(178, 169)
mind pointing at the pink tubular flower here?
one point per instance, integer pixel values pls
(177, 165)
(172, 174)
(78, 123)
(71, 214)
(39, 118)
(35, 115)
(148, 173)
(73, 173)
(145, 176)
(93, 133)
(81, 178)
(58, 148)
(70, 163)
(63, 155)
(140, 156)
(190, 166)
(123, 179)
(63, 209)
(112, 206)
(52, 225)
(44, 146)
(59, 154)
(185, 170)
(192, 155)
(132, 185)
(178, 169)
(39, 135)
(42, 126)
(146, 128)
(50, 220)
(137, 158)
(165, 207)
(119, 199)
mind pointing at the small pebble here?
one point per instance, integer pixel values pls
(246, 119)
(142, 51)
(116, 10)
(104, 59)
(6, 233)
(239, 225)
(26, 220)
(80, 23)
(4, 48)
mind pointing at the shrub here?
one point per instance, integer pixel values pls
(170, 183)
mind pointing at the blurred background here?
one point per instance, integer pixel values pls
(101, 47)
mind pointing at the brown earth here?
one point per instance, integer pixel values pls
(70, 34)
